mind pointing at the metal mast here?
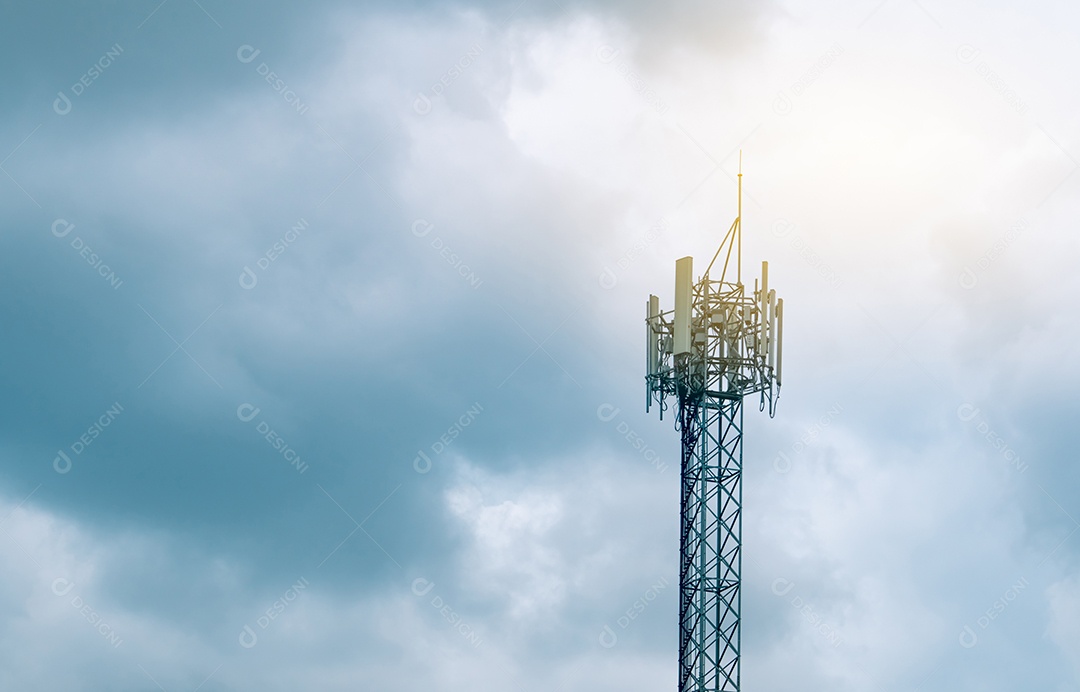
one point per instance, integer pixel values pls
(720, 344)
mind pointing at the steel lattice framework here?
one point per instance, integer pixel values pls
(709, 612)
(719, 345)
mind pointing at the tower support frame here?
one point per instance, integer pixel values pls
(721, 343)
(710, 603)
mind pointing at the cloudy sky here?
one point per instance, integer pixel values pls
(322, 359)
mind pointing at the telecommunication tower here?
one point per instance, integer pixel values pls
(721, 343)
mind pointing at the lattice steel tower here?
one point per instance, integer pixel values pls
(718, 345)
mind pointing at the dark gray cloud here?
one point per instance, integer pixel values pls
(359, 345)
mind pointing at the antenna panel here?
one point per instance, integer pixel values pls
(652, 346)
(772, 328)
(684, 270)
(779, 341)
